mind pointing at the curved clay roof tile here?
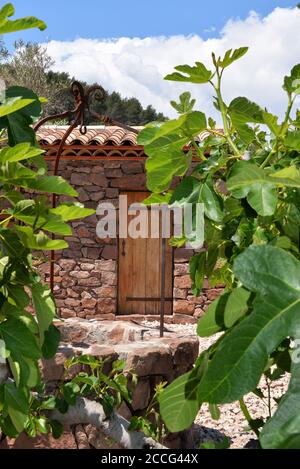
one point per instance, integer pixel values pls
(101, 136)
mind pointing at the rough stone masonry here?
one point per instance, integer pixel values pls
(86, 280)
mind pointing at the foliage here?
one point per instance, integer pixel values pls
(12, 26)
(151, 423)
(247, 177)
(110, 389)
(26, 224)
(31, 66)
(126, 110)
(223, 444)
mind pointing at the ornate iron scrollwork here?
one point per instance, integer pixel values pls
(77, 117)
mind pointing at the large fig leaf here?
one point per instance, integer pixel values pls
(196, 74)
(12, 26)
(248, 180)
(235, 369)
(164, 145)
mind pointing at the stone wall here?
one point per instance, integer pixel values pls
(185, 303)
(86, 280)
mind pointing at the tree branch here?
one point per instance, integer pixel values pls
(115, 426)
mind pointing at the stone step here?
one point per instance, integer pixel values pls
(81, 331)
(165, 357)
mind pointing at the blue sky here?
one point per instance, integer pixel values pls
(130, 45)
(68, 19)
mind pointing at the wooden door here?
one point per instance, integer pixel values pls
(140, 269)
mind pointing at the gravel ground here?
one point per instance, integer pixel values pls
(232, 422)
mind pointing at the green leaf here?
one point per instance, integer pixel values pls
(11, 244)
(118, 365)
(292, 81)
(39, 241)
(34, 213)
(17, 405)
(282, 242)
(272, 122)
(214, 411)
(263, 198)
(18, 128)
(18, 338)
(17, 296)
(22, 151)
(292, 140)
(197, 74)
(69, 212)
(186, 126)
(213, 319)
(242, 176)
(163, 165)
(13, 104)
(185, 104)
(245, 111)
(18, 124)
(16, 371)
(187, 191)
(13, 26)
(51, 223)
(49, 184)
(44, 306)
(290, 222)
(248, 180)
(211, 165)
(14, 196)
(57, 429)
(42, 425)
(48, 404)
(236, 306)
(158, 199)
(25, 370)
(51, 342)
(235, 369)
(6, 11)
(282, 431)
(213, 205)
(70, 392)
(33, 111)
(232, 209)
(197, 271)
(231, 57)
(164, 146)
(242, 111)
(224, 444)
(179, 404)
(8, 428)
(289, 177)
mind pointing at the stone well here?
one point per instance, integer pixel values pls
(153, 359)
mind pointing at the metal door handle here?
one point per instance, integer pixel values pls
(123, 247)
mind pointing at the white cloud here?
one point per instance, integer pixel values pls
(136, 67)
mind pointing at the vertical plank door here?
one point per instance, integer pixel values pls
(140, 262)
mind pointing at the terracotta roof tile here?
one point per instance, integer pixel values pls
(111, 135)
